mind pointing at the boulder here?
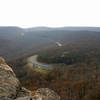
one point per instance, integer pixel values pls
(42, 94)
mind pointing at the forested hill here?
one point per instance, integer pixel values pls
(20, 41)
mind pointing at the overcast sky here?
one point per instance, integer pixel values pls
(52, 13)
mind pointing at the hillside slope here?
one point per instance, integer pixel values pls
(11, 89)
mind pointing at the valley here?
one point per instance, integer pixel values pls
(68, 59)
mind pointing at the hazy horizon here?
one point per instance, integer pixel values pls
(45, 26)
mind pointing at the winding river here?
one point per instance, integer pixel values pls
(32, 60)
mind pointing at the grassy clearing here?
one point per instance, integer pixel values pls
(41, 70)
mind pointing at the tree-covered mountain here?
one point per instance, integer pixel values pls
(20, 41)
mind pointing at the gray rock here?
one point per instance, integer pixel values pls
(47, 94)
(42, 94)
(10, 87)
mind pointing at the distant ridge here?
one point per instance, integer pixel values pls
(43, 28)
(64, 28)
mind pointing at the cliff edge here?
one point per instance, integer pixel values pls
(11, 89)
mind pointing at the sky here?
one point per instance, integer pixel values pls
(51, 13)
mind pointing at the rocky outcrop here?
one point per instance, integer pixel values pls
(47, 94)
(42, 94)
(10, 87)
